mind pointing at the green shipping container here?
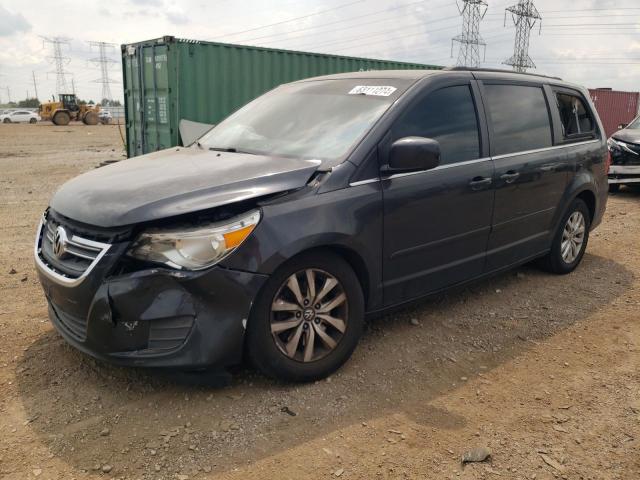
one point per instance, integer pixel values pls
(169, 79)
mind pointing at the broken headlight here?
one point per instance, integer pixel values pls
(619, 145)
(194, 248)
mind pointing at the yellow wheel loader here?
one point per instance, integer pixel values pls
(68, 109)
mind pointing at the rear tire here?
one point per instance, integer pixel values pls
(61, 118)
(312, 346)
(570, 240)
(32, 120)
(6, 120)
(614, 187)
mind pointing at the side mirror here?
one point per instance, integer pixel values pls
(622, 125)
(414, 153)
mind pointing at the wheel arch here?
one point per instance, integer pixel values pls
(351, 257)
(583, 187)
(588, 197)
(357, 264)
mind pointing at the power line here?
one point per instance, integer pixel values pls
(104, 63)
(343, 41)
(289, 20)
(613, 25)
(561, 17)
(470, 41)
(60, 61)
(590, 10)
(400, 37)
(348, 19)
(524, 16)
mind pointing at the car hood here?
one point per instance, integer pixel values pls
(175, 181)
(629, 135)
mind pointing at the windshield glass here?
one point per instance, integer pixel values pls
(635, 123)
(321, 119)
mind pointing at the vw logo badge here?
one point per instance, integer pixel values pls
(59, 242)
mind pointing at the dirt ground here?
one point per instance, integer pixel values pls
(542, 370)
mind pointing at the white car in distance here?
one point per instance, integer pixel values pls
(20, 116)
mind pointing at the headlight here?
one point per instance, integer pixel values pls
(620, 146)
(197, 248)
(613, 145)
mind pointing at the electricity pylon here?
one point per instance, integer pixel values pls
(60, 61)
(104, 61)
(470, 41)
(524, 15)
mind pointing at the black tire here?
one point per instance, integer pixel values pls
(90, 118)
(266, 355)
(32, 120)
(554, 262)
(61, 118)
(614, 187)
(6, 120)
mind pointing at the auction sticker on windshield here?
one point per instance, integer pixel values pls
(377, 90)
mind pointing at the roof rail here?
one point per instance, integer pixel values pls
(496, 70)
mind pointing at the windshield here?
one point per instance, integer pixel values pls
(320, 120)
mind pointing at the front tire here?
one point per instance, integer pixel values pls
(570, 241)
(32, 120)
(614, 187)
(307, 320)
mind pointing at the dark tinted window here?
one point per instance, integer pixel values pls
(576, 119)
(448, 116)
(520, 118)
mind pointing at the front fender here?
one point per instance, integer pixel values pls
(349, 218)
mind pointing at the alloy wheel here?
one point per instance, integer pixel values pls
(309, 315)
(572, 237)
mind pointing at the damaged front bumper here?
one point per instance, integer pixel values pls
(156, 317)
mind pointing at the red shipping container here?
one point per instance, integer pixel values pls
(614, 107)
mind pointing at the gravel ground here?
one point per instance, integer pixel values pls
(541, 370)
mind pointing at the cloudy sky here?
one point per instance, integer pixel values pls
(592, 42)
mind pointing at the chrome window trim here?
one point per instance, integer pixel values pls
(439, 167)
(545, 149)
(364, 182)
(55, 276)
(469, 162)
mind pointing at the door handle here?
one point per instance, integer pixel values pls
(477, 183)
(510, 176)
(553, 167)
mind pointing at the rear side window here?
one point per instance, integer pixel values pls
(576, 119)
(520, 118)
(447, 115)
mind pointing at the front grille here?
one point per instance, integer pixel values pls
(63, 254)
